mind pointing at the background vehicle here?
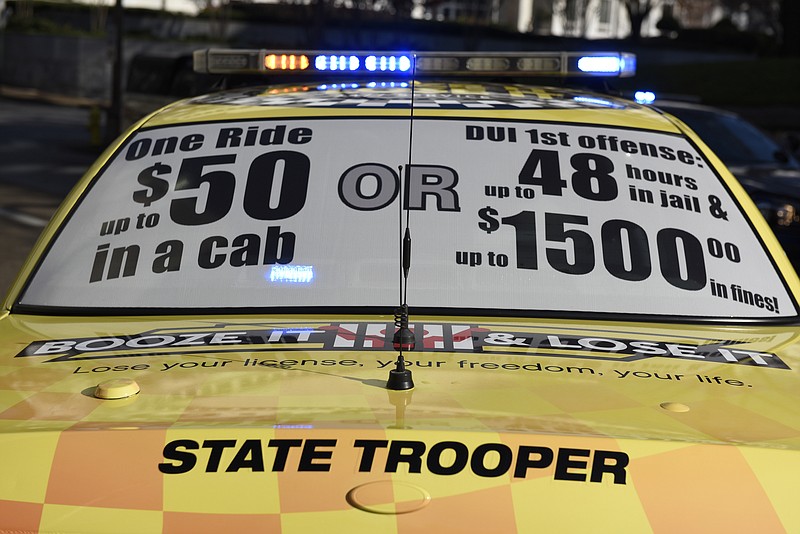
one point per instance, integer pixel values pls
(769, 174)
(601, 328)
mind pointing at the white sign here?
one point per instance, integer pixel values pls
(503, 215)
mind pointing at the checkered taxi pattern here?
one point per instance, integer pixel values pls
(73, 463)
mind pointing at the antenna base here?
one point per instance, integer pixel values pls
(404, 339)
(400, 380)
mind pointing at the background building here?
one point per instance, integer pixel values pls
(591, 19)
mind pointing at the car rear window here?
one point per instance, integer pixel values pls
(505, 216)
(735, 141)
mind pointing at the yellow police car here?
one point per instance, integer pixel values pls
(395, 297)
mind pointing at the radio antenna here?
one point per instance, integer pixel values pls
(400, 376)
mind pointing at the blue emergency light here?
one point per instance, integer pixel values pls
(337, 62)
(408, 64)
(644, 97)
(388, 63)
(292, 274)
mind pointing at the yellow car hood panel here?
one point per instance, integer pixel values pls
(283, 424)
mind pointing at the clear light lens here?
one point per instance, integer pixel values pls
(539, 64)
(436, 64)
(228, 61)
(488, 64)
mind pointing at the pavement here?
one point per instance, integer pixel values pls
(45, 148)
(22, 218)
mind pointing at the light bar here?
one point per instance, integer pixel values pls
(397, 64)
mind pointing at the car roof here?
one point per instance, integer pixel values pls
(432, 98)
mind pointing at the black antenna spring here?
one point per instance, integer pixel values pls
(403, 336)
(400, 377)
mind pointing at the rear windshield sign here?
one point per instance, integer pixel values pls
(503, 215)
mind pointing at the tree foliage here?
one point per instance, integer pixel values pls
(780, 18)
(574, 13)
(790, 27)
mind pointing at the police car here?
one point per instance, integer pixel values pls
(393, 296)
(768, 173)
